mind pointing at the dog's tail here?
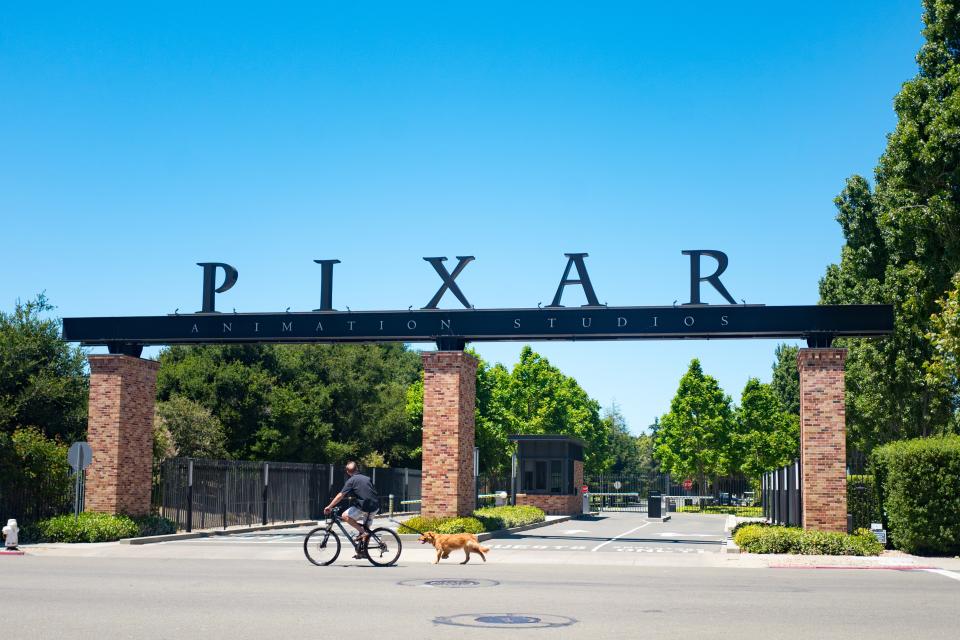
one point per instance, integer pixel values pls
(483, 549)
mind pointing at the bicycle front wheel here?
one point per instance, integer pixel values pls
(383, 547)
(321, 546)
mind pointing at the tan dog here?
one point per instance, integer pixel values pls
(444, 543)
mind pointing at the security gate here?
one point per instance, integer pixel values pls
(618, 492)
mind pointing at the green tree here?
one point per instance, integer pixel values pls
(944, 370)
(786, 378)
(767, 436)
(43, 382)
(544, 400)
(903, 248)
(309, 403)
(694, 438)
(194, 432)
(626, 456)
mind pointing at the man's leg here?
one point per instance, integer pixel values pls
(355, 524)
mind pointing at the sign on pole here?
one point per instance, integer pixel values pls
(79, 456)
(688, 484)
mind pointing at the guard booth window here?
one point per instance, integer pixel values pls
(543, 476)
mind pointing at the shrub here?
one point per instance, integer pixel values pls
(154, 526)
(919, 485)
(508, 517)
(90, 527)
(743, 512)
(755, 538)
(487, 519)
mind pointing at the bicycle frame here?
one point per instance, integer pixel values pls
(353, 540)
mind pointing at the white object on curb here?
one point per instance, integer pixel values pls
(10, 534)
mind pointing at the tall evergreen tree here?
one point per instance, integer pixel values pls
(903, 248)
(786, 378)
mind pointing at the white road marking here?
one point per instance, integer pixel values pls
(625, 533)
(570, 532)
(943, 572)
(690, 535)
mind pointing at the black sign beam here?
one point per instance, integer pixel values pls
(452, 328)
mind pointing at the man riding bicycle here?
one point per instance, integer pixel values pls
(360, 488)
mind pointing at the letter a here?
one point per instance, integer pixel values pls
(576, 259)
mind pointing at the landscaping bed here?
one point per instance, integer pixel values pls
(95, 527)
(482, 520)
(743, 512)
(764, 538)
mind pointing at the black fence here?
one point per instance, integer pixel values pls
(39, 499)
(781, 495)
(203, 494)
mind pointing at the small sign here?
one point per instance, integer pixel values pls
(687, 484)
(617, 485)
(80, 456)
(584, 489)
(881, 535)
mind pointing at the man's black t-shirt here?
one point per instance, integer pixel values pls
(360, 487)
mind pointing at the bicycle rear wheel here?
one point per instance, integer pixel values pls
(383, 547)
(321, 546)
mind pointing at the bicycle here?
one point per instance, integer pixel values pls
(322, 545)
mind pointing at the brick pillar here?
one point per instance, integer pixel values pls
(449, 397)
(823, 443)
(120, 432)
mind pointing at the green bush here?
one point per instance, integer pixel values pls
(95, 527)
(91, 527)
(919, 486)
(154, 526)
(743, 512)
(487, 519)
(775, 539)
(862, 501)
(507, 517)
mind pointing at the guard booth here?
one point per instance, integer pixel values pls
(548, 473)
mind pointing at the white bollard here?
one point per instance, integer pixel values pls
(10, 533)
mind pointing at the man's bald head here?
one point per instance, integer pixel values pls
(351, 468)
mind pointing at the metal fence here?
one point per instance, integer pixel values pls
(41, 498)
(197, 493)
(781, 495)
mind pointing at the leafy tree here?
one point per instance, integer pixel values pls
(544, 400)
(193, 431)
(786, 378)
(309, 403)
(902, 248)
(944, 370)
(694, 438)
(625, 453)
(767, 436)
(43, 383)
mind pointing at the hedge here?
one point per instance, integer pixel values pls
(775, 539)
(743, 512)
(919, 483)
(95, 527)
(487, 519)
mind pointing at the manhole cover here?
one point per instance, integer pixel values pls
(506, 620)
(450, 583)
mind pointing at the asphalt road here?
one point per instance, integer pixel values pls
(600, 578)
(129, 597)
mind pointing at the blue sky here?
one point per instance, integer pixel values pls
(138, 139)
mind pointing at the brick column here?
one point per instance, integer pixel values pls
(120, 432)
(823, 439)
(449, 398)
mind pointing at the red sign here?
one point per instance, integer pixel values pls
(583, 489)
(688, 484)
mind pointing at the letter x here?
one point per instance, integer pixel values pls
(448, 280)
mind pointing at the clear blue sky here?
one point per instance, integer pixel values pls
(136, 140)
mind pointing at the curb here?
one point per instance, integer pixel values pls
(210, 533)
(731, 546)
(501, 532)
(660, 519)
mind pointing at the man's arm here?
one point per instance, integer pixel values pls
(336, 500)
